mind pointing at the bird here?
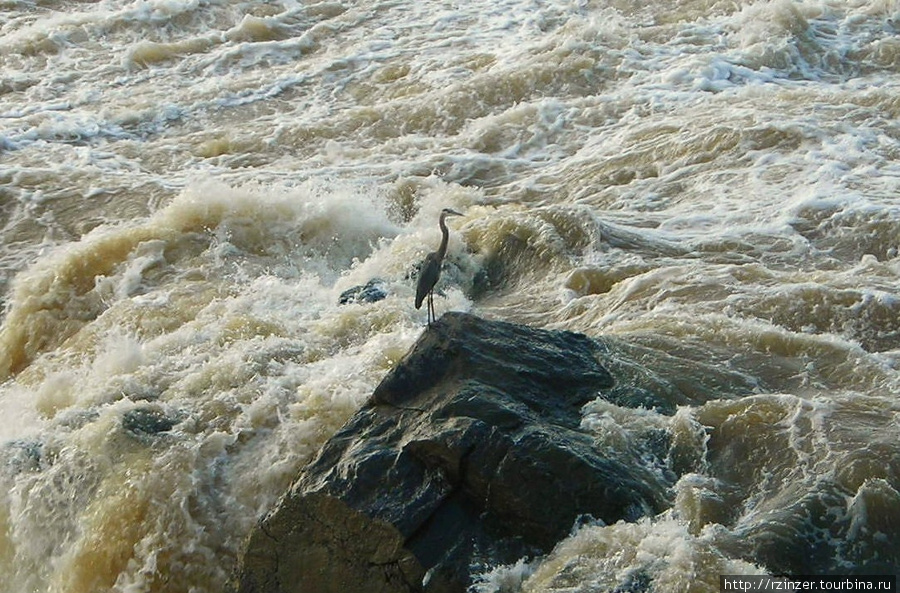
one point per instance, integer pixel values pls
(430, 270)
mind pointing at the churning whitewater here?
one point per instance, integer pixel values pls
(712, 187)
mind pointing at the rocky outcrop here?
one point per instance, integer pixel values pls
(468, 454)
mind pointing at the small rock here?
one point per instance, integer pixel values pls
(146, 420)
(370, 292)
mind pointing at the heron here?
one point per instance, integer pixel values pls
(430, 270)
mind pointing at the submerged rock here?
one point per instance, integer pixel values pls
(370, 292)
(147, 420)
(468, 454)
(22, 455)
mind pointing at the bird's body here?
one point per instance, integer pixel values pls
(431, 267)
(428, 276)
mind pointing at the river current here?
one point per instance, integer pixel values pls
(712, 187)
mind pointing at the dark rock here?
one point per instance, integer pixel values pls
(370, 292)
(147, 420)
(468, 454)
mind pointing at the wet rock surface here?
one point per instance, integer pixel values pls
(370, 292)
(147, 421)
(470, 453)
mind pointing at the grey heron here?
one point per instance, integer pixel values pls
(431, 267)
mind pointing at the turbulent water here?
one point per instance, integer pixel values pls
(187, 186)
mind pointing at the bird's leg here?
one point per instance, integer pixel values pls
(431, 315)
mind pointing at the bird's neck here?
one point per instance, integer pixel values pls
(442, 250)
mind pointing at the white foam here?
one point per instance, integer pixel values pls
(728, 177)
(659, 551)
